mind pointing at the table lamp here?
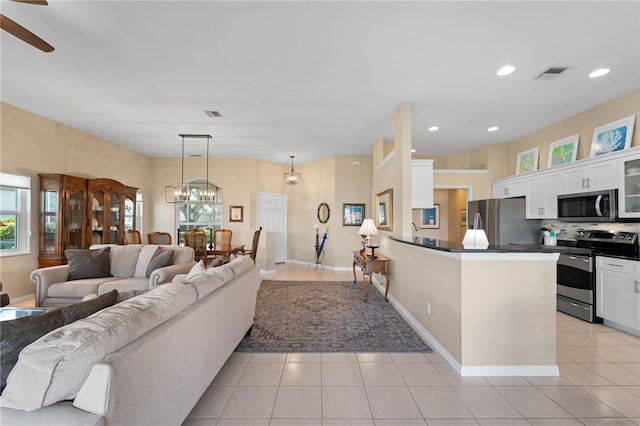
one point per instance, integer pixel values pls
(476, 237)
(367, 229)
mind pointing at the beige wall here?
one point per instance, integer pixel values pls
(31, 144)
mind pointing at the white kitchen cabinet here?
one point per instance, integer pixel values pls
(422, 184)
(509, 187)
(589, 177)
(542, 196)
(618, 291)
(629, 192)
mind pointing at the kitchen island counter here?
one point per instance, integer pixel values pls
(455, 247)
(489, 312)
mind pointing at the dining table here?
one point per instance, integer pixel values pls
(225, 250)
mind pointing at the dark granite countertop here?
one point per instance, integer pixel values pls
(454, 247)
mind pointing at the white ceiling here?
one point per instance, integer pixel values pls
(314, 79)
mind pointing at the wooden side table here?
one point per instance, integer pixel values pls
(368, 266)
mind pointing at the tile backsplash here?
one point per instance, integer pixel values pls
(568, 229)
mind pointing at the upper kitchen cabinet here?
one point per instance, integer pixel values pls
(542, 196)
(77, 212)
(589, 177)
(509, 187)
(629, 192)
(422, 184)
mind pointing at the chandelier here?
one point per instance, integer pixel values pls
(292, 177)
(193, 192)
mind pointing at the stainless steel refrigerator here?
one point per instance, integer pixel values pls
(503, 219)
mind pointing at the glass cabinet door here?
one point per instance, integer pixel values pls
(114, 218)
(76, 214)
(97, 217)
(50, 220)
(629, 193)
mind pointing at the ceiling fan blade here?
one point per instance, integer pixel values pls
(24, 34)
(38, 2)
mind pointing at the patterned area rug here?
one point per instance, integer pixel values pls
(327, 316)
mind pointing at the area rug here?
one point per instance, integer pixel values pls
(327, 316)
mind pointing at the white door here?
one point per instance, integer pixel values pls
(272, 216)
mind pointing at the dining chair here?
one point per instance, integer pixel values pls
(159, 238)
(222, 241)
(254, 246)
(197, 240)
(132, 236)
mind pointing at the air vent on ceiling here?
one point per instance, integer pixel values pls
(551, 72)
(213, 114)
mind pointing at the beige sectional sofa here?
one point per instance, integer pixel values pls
(144, 361)
(128, 269)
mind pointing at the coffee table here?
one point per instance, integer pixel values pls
(14, 312)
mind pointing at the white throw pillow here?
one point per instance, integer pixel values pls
(198, 268)
(146, 254)
(124, 259)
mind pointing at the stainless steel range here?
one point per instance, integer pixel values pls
(576, 271)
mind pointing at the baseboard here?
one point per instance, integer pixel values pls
(320, 266)
(468, 370)
(21, 299)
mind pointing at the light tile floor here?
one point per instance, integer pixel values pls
(599, 384)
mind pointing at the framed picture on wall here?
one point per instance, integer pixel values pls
(430, 218)
(352, 214)
(236, 213)
(612, 137)
(384, 210)
(563, 151)
(527, 161)
(463, 217)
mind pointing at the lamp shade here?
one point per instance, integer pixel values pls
(368, 228)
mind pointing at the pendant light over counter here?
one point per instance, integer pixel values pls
(198, 192)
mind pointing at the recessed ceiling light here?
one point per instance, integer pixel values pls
(599, 72)
(492, 129)
(413, 150)
(506, 70)
(434, 128)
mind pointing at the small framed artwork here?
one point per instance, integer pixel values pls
(612, 137)
(236, 213)
(352, 214)
(527, 161)
(430, 218)
(463, 217)
(563, 151)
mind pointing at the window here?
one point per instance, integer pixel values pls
(14, 214)
(207, 217)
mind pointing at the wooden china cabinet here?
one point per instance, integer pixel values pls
(77, 212)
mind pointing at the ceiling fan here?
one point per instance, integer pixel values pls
(21, 32)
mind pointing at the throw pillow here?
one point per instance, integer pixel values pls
(160, 259)
(197, 269)
(19, 333)
(88, 263)
(217, 261)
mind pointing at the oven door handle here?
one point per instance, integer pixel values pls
(598, 201)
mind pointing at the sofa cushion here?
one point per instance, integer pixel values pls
(160, 259)
(54, 367)
(76, 289)
(181, 254)
(240, 264)
(88, 263)
(19, 333)
(124, 284)
(206, 284)
(124, 260)
(146, 254)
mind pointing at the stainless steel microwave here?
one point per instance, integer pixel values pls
(588, 207)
